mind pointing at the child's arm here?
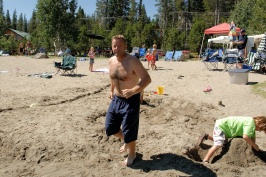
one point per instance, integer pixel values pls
(251, 142)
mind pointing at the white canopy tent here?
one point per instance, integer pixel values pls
(220, 40)
(225, 40)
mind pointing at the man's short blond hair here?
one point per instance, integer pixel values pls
(119, 36)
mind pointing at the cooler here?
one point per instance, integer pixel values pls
(238, 76)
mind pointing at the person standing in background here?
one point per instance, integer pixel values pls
(232, 34)
(241, 46)
(21, 48)
(154, 55)
(91, 54)
(29, 47)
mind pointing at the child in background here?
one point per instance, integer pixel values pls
(91, 54)
(153, 61)
(232, 34)
(148, 57)
(231, 127)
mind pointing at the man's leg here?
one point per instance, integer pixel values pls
(131, 153)
(121, 137)
(131, 149)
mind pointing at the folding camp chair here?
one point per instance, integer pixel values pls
(259, 61)
(177, 55)
(249, 61)
(142, 53)
(212, 59)
(67, 66)
(230, 59)
(135, 52)
(168, 56)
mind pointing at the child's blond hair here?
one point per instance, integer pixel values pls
(260, 122)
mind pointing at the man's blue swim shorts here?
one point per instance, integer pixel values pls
(123, 112)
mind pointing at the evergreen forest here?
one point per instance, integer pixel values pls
(178, 24)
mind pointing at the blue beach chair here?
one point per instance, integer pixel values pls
(168, 56)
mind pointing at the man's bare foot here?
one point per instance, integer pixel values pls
(123, 148)
(129, 160)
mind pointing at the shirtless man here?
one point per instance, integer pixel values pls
(128, 78)
(21, 48)
(29, 47)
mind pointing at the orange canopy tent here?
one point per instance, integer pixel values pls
(218, 30)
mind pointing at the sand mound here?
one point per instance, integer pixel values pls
(239, 153)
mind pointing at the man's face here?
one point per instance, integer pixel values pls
(118, 47)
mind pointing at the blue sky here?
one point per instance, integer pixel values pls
(26, 7)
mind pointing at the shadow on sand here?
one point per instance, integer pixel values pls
(169, 161)
(74, 75)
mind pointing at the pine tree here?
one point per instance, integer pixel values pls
(32, 23)
(25, 24)
(20, 23)
(8, 19)
(2, 19)
(56, 21)
(1, 8)
(14, 20)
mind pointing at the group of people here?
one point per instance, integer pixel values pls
(151, 57)
(241, 42)
(128, 79)
(25, 49)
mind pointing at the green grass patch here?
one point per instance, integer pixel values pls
(260, 89)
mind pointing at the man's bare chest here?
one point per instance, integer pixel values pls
(119, 72)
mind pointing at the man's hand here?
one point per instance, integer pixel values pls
(111, 95)
(127, 93)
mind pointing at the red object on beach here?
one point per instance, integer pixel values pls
(208, 89)
(149, 57)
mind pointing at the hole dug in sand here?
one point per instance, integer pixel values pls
(236, 153)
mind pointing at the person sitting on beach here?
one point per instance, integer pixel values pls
(234, 126)
(91, 54)
(128, 78)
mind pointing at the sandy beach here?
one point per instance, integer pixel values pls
(55, 127)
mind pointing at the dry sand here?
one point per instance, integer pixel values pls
(55, 127)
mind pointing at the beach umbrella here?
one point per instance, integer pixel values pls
(96, 36)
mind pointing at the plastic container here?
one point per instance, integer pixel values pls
(247, 67)
(238, 76)
(160, 90)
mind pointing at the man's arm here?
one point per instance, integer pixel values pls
(142, 74)
(112, 88)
